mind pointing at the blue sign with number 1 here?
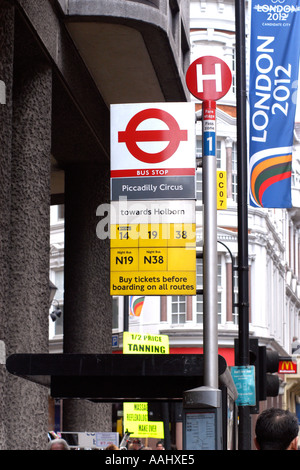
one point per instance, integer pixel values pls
(209, 143)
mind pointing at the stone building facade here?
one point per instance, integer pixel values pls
(62, 63)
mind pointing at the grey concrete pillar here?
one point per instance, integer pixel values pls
(27, 308)
(87, 303)
(6, 74)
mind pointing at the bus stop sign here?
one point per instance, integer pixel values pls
(208, 78)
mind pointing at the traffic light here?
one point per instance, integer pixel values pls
(266, 365)
(268, 380)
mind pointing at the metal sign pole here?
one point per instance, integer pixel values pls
(208, 79)
(203, 405)
(243, 269)
(210, 303)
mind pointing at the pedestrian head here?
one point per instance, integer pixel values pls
(136, 444)
(58, 444)
(160, 445)
(276, 429)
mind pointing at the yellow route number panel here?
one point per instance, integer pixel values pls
(153, 259)
(221, 189)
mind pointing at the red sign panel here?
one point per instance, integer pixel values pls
(287, 367)
(208, 78)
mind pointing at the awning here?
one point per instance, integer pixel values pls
(114, 377)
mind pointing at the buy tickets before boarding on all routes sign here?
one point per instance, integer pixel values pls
(153, 193)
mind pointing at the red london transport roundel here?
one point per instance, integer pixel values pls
(172, 135)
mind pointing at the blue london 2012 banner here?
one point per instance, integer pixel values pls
(274, 66)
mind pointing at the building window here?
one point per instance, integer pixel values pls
(58, 300)
(199, 185)
(218, 153)
(115, 312)
(234, 173)
(199, 273)
(235, 293)
(178, 303)
(199, 309)
(233, 71)
(61, 212)
(198, 148)
(199, 297)
(219, 272)
(219, 309)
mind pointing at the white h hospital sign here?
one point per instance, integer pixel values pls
(217, 77)
(208, 78)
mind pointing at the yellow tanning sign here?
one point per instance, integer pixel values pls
(136, 421)
(145, 343)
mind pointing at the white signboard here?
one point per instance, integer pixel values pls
(152, 139)
(153, 193)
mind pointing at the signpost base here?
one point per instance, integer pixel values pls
(202, 419)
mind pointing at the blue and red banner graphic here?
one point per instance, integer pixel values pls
(274, 66)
